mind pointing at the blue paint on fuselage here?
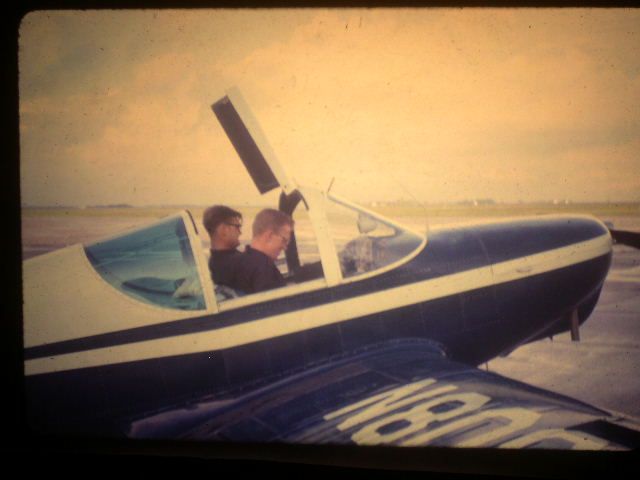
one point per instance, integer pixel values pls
(448, 251)
(471, 327)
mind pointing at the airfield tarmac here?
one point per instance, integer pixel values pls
(601, 369)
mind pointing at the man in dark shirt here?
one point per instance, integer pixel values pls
(224, 226)
(256, 270)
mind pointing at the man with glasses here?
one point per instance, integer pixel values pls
(224, 226)
(256, 270)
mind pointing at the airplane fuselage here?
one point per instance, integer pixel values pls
(474, 291)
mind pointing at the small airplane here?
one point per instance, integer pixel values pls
(128, 336)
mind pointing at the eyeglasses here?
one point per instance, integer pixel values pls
(237, 225)
(285, 240)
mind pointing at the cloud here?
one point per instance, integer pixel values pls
(489, 88)
(439, 103)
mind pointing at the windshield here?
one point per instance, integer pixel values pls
(154, 265)
(365, 241)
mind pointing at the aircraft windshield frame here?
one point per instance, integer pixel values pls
(172, 240)
(380, 218)
(403, 244)
(350, 258)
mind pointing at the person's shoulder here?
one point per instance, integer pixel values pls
(225, 253)
(223, 257)
(256, 258)
(253, 253)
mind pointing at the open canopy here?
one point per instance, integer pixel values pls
(247, 138)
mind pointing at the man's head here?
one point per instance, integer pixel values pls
(224, 226)
(271, 232)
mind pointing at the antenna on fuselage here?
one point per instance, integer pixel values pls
(330, 185)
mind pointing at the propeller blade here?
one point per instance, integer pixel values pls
(631, 239)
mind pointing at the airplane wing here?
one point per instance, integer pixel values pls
(402, 393)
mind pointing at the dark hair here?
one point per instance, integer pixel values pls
(270, 219)
(214, 216)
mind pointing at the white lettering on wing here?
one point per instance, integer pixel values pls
(516, 419)
(418, 418)
(410, 415)
(387, 402)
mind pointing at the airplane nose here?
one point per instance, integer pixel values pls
(575, 249)
(515, 279)
(547, 271)
(546, 242)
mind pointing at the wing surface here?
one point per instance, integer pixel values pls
(403, 393)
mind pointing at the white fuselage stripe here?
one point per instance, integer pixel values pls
(326, 314)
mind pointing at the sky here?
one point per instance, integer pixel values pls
(434, 105)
